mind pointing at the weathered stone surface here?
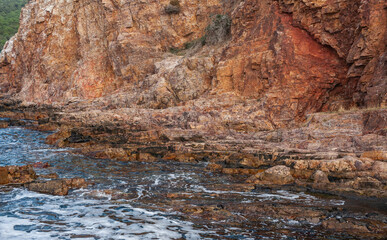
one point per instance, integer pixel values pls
(25, 175)
(275, 175)
(320, 177)
(380, 170)
(356, 30)
(336, 225)
(49, 176)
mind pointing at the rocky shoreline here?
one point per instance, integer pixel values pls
(272, 95)
(341, 153)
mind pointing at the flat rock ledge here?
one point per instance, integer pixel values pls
(25, 176)
(343, 153)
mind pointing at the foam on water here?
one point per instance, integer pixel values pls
(27, 215)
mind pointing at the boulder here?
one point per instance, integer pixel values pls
(276, 175)
(17, 174)
(320, 177)
(380, 170)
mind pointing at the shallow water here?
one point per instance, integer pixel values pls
(163, 200)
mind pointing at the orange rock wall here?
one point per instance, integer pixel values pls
(88, 48)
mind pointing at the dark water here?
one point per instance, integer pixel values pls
(162, 200)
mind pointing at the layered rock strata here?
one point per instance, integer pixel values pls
(341, 153)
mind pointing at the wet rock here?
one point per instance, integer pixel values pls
(53, 187)
(3, 175)
(4, 124)
(59, 187)
(241, 171)
(77, 137)
(76, 182)
(17, 174)
(181, 157)
(145, 157)
(213, 167)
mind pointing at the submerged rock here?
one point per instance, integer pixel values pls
(53, 187)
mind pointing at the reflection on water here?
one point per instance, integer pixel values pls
(160, 200)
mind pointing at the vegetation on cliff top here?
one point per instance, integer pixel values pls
(9, 18)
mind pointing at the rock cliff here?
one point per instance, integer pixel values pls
(292, 56)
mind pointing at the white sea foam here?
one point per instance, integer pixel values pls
(28, 215)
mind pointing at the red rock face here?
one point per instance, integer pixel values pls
(292, 56)
(283, 65)
(356, 30)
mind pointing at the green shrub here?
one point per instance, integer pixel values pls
(218, 30)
